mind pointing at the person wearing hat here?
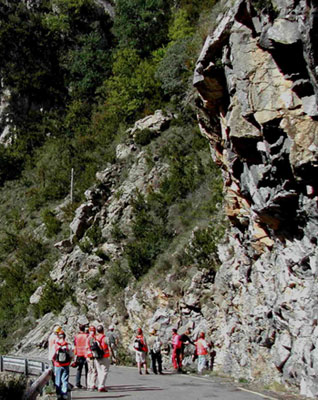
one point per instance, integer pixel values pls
(51, 342)
(154, 345)
(62, 359)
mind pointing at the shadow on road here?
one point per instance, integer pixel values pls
(111, 394)
(132, 388)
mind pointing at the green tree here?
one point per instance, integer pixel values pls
(194, 8)
(133, 90)
(181, 26)
(89, 64)
(142, 24)
(150, 235)
(176, 68)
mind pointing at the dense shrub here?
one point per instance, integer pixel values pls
(10, 164)
(12, 387)
(176, 67)
(202, 250)
(118, 277)
(194, 8)
(144, 137)
(133, 89)
(181, 26)
(52, 224)
(94, 233)
(53, 298)
(23, 247)
(89, 64)
(150, 235)
(142, 24)
(15, 293)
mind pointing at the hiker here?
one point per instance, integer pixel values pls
(51, 343)
(62, 359)
(80, 356)
(102, 362)
(185, 340)
(52, 339)
(141, 349)
(202, 349)
(212, 356)
(90, 358)
(176, 350)
(154, 345)
(112, 341)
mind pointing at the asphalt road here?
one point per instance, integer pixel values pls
(125, 382)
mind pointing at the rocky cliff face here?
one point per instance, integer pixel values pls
(257, 84)
(257, 76)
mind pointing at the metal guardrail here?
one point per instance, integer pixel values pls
(22, 365)
(28, 367)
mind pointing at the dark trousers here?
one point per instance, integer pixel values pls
(82, 363)
(156, 359)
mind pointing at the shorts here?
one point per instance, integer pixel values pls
(140, 357)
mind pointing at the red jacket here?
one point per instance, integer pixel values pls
(201, 347)
(57, 346)
(143, 342)
(80, 344)
(100, 337)
(176, 342)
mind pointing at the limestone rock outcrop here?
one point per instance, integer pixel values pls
(257, 76)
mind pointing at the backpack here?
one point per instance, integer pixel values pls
(138, 345)
(96, 349)
(156, 346)
(63, 355)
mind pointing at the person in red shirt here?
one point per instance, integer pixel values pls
(176, 350)
(102, 364)
(202, 349)
(80, 354)
(141, 348)
(62, 359)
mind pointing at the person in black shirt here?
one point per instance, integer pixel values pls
(185, 339)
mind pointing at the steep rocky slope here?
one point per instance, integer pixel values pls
(93, 260)
(257, 84)
(257, 75)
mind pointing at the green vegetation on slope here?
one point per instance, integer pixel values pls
(73, 80)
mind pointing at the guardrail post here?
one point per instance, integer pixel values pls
(26, 367)
(1, 364)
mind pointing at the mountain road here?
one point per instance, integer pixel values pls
(126, 383)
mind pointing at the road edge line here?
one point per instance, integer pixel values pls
(257, 393)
